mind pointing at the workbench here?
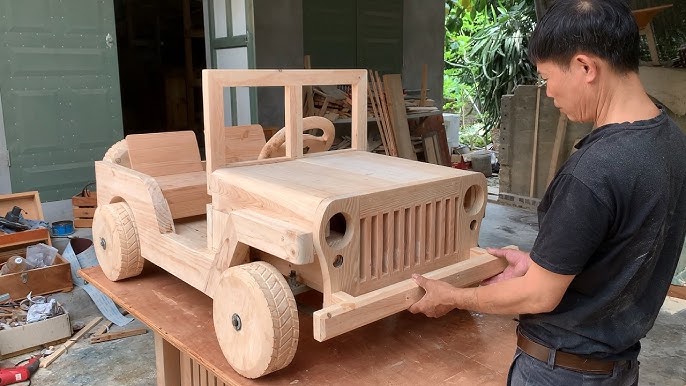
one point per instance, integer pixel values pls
(461, 348)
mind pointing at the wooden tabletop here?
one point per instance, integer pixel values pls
(461, 348)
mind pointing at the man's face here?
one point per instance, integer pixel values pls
(568, 88)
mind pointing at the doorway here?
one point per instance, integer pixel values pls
(161, 53)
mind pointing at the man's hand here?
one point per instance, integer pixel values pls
(518, 263)
(438, 299)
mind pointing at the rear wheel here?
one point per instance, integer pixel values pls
(116, 241)
(256, 319)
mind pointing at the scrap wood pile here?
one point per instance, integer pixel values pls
(335, 103)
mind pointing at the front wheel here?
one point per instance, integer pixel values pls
(255, 319)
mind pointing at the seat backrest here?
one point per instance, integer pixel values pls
(163, 154)
(242, 143)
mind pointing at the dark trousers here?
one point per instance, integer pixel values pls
(529, 371)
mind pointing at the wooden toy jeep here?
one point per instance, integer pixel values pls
(348, 223)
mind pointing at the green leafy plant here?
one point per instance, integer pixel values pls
(486, 52)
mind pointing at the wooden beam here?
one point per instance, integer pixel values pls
(422, 97)
(559, 140)
(118, 335)
(354, 312)
(532, 186)
(394, 94)
(46, 361)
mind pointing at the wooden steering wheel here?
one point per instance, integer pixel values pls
(311, 143)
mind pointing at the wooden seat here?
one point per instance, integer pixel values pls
(173, 159)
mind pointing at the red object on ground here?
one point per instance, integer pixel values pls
(19, 373)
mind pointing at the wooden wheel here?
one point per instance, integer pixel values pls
(314, 144)
(256, 319)
(118, 154)
(116, 241)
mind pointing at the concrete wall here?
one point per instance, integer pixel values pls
(518, 112)
(423, 42)
(279, 44)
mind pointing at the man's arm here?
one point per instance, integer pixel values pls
(539, 290)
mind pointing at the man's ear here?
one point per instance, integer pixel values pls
(587, 65)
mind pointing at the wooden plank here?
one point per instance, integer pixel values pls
(83, 212)
(99, 338)
(430, 142)
(277, 237)
(422, 96)
(434, 124)
(81, 201)
(167, 363)
(385, 125)
(677, 291)
(534, 151)
(31, 236)
(348, 315)
(461, 347)
(557, 146)
(83, 223)
(46, 361)
(307, 90)
(161, 154)
(394, 95)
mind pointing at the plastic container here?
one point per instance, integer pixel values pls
(452, 129)
(15, 264)
(41, 255)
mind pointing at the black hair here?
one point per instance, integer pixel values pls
(604, 28)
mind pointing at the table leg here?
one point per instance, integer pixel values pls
(167, 362)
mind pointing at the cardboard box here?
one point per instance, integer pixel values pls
(22, 339)
(40, 281)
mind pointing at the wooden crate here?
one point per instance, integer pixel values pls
(23, 339)
(84, 208)
(54, 278)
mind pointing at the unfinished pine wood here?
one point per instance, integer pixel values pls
(242, 143)
(46, 361)
(254, 309)
(163, 154)
(320, 218)
(560, 134)
(106, 337)
(534, 151)
(349, 312)
(173, 159)
(275, 147)
(422, 97)
(396, 102)
(461, 348)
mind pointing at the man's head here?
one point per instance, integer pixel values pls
(602, 28)
(580, 45)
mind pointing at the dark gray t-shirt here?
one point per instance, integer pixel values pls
(614, 216)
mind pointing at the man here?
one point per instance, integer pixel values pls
(612, 222)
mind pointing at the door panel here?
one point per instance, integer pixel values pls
(60, 92)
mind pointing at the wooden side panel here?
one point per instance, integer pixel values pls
(161, 154)
(40, 281)
(154, 223)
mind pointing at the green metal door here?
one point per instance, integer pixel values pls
(59, 89)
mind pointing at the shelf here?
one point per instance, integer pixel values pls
(409, 116)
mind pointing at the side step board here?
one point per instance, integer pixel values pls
(351, 312)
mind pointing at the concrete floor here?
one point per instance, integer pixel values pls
(131, 361)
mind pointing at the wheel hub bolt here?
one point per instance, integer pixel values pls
(236, 322)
